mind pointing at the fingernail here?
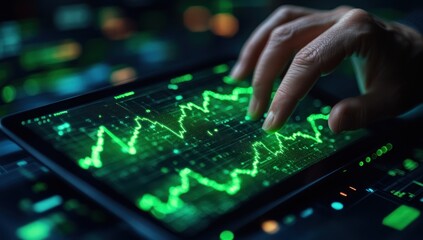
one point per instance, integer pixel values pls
(253, 108)
(267, 125)
(236, 71)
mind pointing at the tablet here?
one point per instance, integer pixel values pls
(175, 156)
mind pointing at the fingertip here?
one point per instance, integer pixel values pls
(345, 116)
(272, 123)
(253, 108)
(252, 116)
(237, 73)
(249, 118)
(279, 112)
(268, 123)
(334, 119)
(270, 131)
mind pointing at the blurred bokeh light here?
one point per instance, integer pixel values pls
(196, 18)
(224, 24)
(123, 75)
(54, 49)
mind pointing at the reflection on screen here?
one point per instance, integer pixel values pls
(183, 150)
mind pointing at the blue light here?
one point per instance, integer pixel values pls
(154, 52)
(337, 206)
(98, 73)
(307, 213)
(72, 83)
(73, 17)
(10, 39)
(47, 204)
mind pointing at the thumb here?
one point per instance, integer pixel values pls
(357, 112)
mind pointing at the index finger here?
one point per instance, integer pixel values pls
(321, 55)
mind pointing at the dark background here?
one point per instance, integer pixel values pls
(50, 50)
(53, 49)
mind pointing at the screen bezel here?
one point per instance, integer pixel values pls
(142, 222)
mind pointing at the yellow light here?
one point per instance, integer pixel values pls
(196, 18)
(270, 226)
(67, 51)
(224, 25)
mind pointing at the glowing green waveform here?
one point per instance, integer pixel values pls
(94, 160)
(174, 202)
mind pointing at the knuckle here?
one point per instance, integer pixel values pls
(285, 11)
(306, 57)
(343, 9)
(280, 35)
(361, 23)
(284, 92)
(357, 16)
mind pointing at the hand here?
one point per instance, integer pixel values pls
(390, 74)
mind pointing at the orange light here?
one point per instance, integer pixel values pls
(117, 28)
(224, 24)
(196, 18)
(123, 75)
(352, 188)
(270, 226)
(114, 25)
(343, 194)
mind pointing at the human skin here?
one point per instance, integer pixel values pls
(307, 43)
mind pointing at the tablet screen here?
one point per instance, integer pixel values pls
(183, 149)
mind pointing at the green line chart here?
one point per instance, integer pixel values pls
(149, 202)
(187, 154)
(94, 159)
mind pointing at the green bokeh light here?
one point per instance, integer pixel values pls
(401, 217)
(39, 229)
(8, 93)
(227, 235)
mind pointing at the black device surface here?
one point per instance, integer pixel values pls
(175, 156)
